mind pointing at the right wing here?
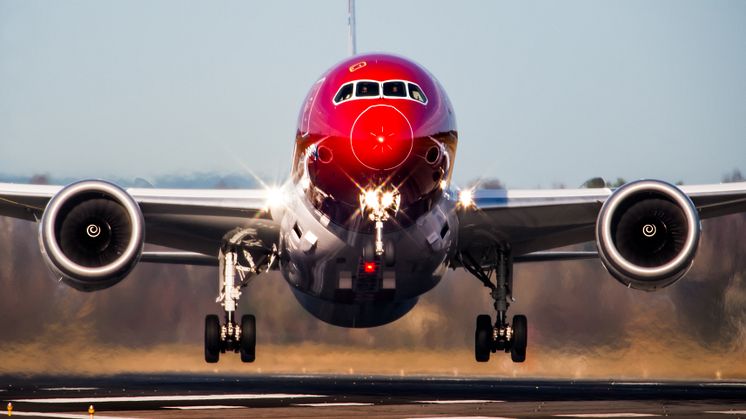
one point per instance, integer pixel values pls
(198, 220)
(192, 220)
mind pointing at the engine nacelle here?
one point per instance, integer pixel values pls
(92, 234)
(647, 234)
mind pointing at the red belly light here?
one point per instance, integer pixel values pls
(381, 137)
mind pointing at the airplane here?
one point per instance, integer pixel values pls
(369, 220)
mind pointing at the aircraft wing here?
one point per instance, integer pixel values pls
(537, 220)
(190, 220)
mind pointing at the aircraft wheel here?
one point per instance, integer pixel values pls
(369, 252)
(212, 338)
(520, 338)
(483, 338)
(248, 338)
(388, 253)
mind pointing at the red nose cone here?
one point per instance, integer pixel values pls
(381, 137)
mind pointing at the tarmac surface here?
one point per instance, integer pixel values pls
(313, 396)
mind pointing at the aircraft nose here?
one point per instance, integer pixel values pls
(381, 137)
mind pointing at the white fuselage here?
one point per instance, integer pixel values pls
(325, 264)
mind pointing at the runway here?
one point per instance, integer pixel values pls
(299, 396)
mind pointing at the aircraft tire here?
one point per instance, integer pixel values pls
(520, 338)
(483, 338)
(369, 252)
(212, 338)
(248, 338)
(388, 253)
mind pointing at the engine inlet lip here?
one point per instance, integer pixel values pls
(616, 261)
(50, 242)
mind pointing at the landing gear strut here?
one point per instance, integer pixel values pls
(236, 259)
(488, 337)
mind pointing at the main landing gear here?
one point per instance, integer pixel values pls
(236, 258)
(500, 336)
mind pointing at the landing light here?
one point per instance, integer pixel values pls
(275, 197)
(379, 205)
(371, 199)
(387, 200)
(379, 202)
(466, 198)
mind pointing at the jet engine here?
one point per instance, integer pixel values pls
(92, 234)
(647, 234)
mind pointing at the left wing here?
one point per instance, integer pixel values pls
(535, 220)
(529, 220)
(646, 235)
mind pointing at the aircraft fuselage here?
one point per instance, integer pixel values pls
(368, 228)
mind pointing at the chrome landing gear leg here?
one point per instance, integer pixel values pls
(226, 336)
(501, 335)
(231, 335)
(380, 205)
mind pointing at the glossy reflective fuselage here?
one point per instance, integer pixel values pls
(402, 137)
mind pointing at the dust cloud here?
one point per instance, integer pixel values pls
(582, 323)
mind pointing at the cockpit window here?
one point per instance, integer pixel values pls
(371, 89)
(395, 89)
(367, 89)
(416, 94)
(344, 93)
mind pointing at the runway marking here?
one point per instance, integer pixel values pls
(204, 407)
(64, 415)
(170, 398)
(607, 415)
(69, 388)
(635, 383)
(462, 417)
(734, 384)
(332, 404)
(458, 401)
(728, 412)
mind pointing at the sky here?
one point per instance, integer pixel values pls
(546, 93)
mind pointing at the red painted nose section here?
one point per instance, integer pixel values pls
(381, 137)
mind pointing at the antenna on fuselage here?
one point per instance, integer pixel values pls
(351, 41)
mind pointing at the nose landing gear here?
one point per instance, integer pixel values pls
(380, 205)
(500, 336)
